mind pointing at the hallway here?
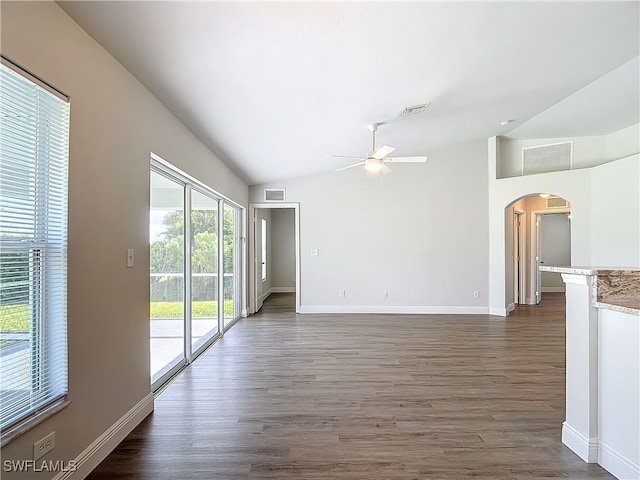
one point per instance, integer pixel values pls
(286, 396)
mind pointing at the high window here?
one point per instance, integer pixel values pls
(34, 152)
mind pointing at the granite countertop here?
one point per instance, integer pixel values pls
(632, 271)
(615, 288)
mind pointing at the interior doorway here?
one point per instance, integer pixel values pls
(539, 233)
(274, 246)
(553, 246)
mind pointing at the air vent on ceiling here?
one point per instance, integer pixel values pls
(547, 158)
(414, 109)
(556, 202)
(274, 194)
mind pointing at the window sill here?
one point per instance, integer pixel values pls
(30, 422)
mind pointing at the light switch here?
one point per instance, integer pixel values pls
(129, 257)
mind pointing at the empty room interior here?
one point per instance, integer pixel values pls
(319, 240)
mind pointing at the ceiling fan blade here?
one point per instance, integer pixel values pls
(348, 156)
(384, 170)
(382, 152)
(405, 159)
(349, 166)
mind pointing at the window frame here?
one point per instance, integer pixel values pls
(44, 243)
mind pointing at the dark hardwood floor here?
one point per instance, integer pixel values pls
(286, 396)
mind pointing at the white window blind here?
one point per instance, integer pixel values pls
(34, 151)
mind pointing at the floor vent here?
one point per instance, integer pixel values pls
(274, 194)
(547, 158)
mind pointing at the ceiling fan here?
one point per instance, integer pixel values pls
(375, 161)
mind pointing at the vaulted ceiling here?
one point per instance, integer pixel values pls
(275, 88)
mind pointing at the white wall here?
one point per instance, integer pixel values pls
(615, 210)
(115, 125)
(587, 151)
(619, 392)
(576, 187)
(283, 255)
(419, 233)
(555, 248)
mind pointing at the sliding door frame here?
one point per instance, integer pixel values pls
(164, 168)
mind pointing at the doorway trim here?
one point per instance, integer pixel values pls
(535, 292)
(253, 254)
(519, 256)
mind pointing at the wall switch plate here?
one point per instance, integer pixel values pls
(129, 257)
(44, 445)
(476, 294)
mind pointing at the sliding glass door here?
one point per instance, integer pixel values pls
(232, 229)
(204, 268)
(167, 309)
(195, 284)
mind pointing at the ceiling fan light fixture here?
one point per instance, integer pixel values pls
(373, 165)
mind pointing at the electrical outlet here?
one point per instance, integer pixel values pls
(44, 445)
(385, 294)
(342, 293)
(476, 294)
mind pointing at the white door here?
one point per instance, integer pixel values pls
(538, 260)
(258, 241)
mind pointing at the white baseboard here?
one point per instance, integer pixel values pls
(511, 307)
(553, 289)
(586, 448)
(266, 294)
(91, 457)
(497, 311)
(283, 289)
(398, 309)
(617, 463)
(244, 313)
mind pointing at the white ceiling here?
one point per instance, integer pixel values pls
(273, 89)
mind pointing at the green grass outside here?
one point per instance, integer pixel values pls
(15, 318)
(198, 309)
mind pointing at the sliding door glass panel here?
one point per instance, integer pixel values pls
(231, 267)
(166, 232)
(204, 268)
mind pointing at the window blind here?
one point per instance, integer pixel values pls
(34, 151)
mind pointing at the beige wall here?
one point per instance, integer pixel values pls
(414, 233)
(115, 125)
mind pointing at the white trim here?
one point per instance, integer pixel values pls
(266, 294)
(500, 312)
(399, 309)
(102, 446)
(169, 168)
(535, 273)
(553, 289)
(511, 307)
(617, 463)
(252, 249)
(586, 448)
(283, 289)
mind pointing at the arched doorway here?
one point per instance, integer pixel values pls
(537, 232)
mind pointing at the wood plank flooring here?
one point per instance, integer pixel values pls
(398, 397)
